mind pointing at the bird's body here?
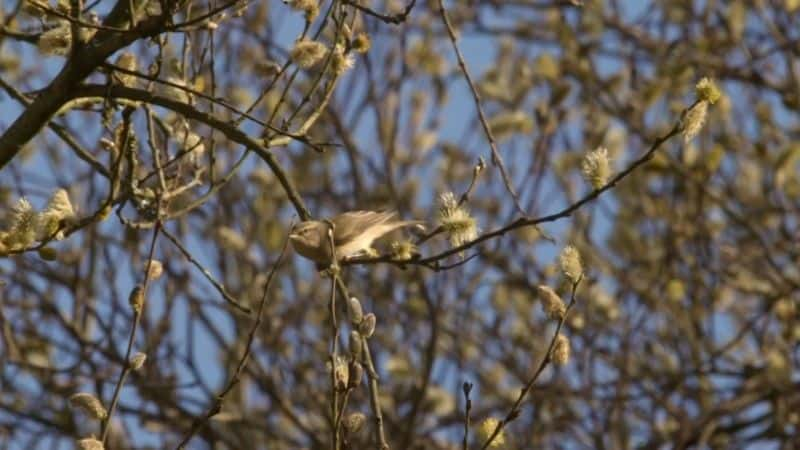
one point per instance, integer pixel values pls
(353, 233)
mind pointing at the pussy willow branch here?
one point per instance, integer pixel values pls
(290, 82)
(240, 367)
(334, 272)
(137, 315)
(337, 422)
(97, 216)
(206, 273)
(100, 214)
(566, 212)
(374, 391)
(476, 171)
(514, 412)
(288, 136)
(309, 93)
(497, 160)
(231, 132)
(433, 262)
(75, 7)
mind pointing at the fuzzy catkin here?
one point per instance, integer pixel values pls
(89, 404)
(570, 262)
(561, 350)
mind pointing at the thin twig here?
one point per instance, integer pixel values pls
(217, 406)
(514, 412)
(159, 168)
(395, 19)
(31, 38)
(48, 10)
(196, 20)
(99, 215)
(497, 160)
(316, 146)
(334, 269)
(105, 425)
(477, 170)
(337, 423)
(309, 93)
(290, 82)
(374, 396)
(217, 285)
(467, 387)
(60, 131)
(310, 120)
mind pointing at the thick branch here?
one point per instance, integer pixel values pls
(60, 90)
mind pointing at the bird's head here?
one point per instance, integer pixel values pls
(308, 236)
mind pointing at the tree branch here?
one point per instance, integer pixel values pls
(237, 373)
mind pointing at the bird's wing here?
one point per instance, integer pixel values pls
(351, 224)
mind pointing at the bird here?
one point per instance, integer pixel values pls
(353, 233)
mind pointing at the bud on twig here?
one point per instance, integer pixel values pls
(355, 345)
(90, 444)
(356, 312)
(137, 361)
(136, 299)
(356, 375)
(596, 167)
(155, 269)
(570, 261)
(341, 373)
(561, 350)
(467, 388)
(367, 326)
(480, 166)
(354, 422)
(486, 430)
(361, 43)
(89, 404)
(552, 303)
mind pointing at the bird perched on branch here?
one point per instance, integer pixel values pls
(353, 233)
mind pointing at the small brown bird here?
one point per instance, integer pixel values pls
(353, 233)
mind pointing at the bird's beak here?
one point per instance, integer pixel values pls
(293, 236)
